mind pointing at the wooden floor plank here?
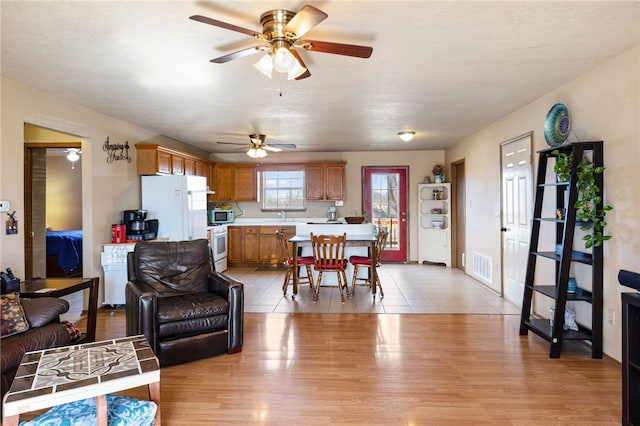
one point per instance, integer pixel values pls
(390, 369)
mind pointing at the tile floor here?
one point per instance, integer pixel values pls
(408, 288)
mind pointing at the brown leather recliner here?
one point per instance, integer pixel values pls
(185, 309)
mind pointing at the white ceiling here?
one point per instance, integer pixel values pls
(444, 69)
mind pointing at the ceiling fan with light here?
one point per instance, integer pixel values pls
(258, 148)
(280, 37)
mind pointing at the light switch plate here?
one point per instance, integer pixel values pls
(5, 205)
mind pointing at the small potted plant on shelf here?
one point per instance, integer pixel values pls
(438, 173)
(356, 219)
(588, 197)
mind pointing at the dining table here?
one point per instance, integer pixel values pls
(353, 240)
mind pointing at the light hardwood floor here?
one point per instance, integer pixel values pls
(389, 369)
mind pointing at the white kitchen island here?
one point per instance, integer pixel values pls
(361, 241)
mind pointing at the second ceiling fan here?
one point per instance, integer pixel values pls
(258, 148)
(281, 35)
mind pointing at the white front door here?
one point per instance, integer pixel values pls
(517, 195)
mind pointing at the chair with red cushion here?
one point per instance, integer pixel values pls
(365, 262)
(286, 258)
(328, 256)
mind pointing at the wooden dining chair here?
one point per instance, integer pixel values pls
(365, 262)
(286, 258)
(328, 256)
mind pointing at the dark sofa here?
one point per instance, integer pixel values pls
(45, 331)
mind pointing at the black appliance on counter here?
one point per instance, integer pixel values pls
(138, 227)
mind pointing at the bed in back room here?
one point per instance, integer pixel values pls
(64, 253)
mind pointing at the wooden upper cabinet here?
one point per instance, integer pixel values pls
(164, 163)
(152, 159)
(315, 187)
(177, 163)
(223, 182)
(201, 168)
(245, 182)
(325, 181)
(190, 167)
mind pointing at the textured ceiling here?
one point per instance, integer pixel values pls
(442, 69)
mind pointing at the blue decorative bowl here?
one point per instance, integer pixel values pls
(557, 125)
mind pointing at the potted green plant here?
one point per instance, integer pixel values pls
(592, 219)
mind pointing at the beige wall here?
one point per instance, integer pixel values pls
(64, 193)
(420, 164)
(604, 105)
(106, 188)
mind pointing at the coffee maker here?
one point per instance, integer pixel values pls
(138, 228)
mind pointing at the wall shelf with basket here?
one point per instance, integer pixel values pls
(434, 228)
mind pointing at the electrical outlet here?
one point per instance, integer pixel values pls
(611, 317)
(5, 205)
(339, 203)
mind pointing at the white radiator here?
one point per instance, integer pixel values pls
(482, 267)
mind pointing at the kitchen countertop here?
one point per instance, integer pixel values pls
(256, 221)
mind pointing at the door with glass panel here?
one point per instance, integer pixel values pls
(384, 202)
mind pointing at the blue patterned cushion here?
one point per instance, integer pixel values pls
(121, 410)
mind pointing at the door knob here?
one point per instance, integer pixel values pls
(503, 229)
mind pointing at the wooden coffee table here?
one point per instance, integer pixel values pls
(58, 376)
(56, 287)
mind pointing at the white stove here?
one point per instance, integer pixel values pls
(219, 241)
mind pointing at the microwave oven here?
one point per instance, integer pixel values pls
(216, 216)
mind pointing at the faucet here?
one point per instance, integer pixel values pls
(283, 215)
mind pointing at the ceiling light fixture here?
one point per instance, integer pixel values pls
(406, 136)
(282, 60)
(73, 155)
(257, 152)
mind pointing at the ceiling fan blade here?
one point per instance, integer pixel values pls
(336, 48)
(232, 143)
(224, 25)
(270, 148)
(239, 54)
(305, 74)
(306, 18)
(283, 145)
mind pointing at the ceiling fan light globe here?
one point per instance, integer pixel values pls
(296, 71)
(283, 60)
(73, 155)
(257, 153)
(265, 65)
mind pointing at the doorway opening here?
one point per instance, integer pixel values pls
(53, 203)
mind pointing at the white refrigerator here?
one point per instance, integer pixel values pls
(179, 203)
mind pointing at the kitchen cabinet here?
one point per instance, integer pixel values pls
(325, 181)
(190, 167)
(152, 159)
(251, 250)
(434, 232)
(243, 247)
(223, 182)
(177, 164)
(235, 182)
(234, 245)
(253, 244)
(245, 185)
